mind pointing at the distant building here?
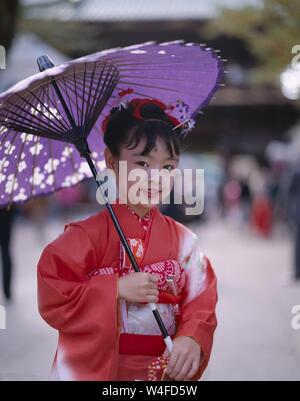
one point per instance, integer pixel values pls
(240, 119)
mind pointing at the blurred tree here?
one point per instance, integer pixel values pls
(270, 31)
(8, 17)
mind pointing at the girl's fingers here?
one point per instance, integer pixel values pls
(185, 369)
(193, 370)
(152, 298)
(152, 285)
(178, 365)
(153, 278)
(172, 363)
(153, 292)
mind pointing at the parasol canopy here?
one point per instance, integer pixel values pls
(42, 117)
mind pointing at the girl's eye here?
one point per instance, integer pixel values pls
(142, 163)
(169, 167)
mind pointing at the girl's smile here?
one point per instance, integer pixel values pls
(157, 159)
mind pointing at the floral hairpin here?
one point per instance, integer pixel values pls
(123, 98)
(188, 122)
(182, 109)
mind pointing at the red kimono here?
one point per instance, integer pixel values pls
(102, 337)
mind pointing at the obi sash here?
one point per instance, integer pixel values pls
(141, 344)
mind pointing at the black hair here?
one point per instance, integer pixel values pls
(124, 129)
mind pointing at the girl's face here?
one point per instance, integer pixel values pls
(143, 174)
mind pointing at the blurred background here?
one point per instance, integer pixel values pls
(247, 141)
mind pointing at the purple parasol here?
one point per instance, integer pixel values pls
(45, 117)
(182, 75)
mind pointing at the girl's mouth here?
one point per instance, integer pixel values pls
(152, 193)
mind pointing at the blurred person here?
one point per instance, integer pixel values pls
(231, 193)
(6, 218)
(225, 160)
(278, 191)
(262, 215)
(293, 213)
(245, 199)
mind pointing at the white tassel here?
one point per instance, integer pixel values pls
(190, 125)
(123, 104)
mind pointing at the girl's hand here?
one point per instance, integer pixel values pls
(138, 287)
(184, 359)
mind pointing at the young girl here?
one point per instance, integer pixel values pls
(89, 292)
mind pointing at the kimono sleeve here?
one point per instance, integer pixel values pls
(67, 300)
(198, 318)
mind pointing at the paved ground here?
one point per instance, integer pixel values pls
(254, 339)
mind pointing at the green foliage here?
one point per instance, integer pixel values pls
(269, 31)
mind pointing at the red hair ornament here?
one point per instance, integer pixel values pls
(138, 103)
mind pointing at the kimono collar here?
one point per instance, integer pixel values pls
(131, 222)
(157, 232)
(145, 220)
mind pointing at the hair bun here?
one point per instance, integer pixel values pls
(151, 110)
